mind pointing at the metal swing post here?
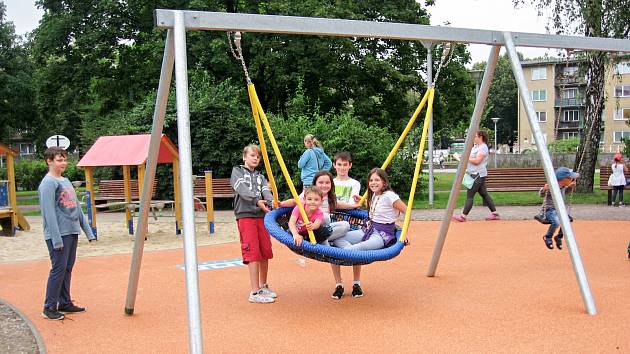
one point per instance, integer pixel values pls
(457, 184)
(558, 201)
(154, 147)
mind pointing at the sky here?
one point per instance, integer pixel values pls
(480, 14)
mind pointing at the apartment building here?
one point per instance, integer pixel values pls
(558, 89)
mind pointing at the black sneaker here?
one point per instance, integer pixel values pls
(558, 239)
(52, 314)
(72, 308)
(548, 242)
(338, 294)
(357, 291)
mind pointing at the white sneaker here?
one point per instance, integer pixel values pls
(257, 297)
(621, 205)
(267, 292)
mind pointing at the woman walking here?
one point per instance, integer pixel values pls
(477, 170)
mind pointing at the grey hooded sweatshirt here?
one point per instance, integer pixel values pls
(250, 187)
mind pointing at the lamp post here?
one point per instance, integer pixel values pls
(496, 150)
(477, 75)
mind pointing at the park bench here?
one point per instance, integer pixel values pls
(114, 190)
(604, 174)
(515, 179)
(221, 188)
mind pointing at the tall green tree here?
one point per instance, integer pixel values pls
(16, 91)
(591, 18)
(502, 99)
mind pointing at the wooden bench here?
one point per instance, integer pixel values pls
(515, 179)
(604, 174)
(221, 188)
(115, 190)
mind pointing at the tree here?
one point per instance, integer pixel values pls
(502, 99)
(16, 91)
(591, 18)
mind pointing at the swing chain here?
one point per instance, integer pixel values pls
(447, 54)
(239, 50)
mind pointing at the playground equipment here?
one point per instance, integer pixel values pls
(127, 151)
(11, 219)
(314, 251)
(178, 21)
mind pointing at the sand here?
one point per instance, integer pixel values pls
(113, 237)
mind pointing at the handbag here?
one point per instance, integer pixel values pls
(610, 180)
(468, 180)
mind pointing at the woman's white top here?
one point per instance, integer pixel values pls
(618, 178)
(481, 167)
(382, 208)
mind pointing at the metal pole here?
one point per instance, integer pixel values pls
(429, 47)
(195, 340)
(558, 201)
(457, 184)
(496, 150)
(154, 146)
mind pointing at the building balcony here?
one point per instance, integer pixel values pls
(570, 80)
(569, 125)
(570, 102)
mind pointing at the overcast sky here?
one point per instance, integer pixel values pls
(481, 14)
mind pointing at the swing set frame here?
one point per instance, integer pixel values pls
(177, 22)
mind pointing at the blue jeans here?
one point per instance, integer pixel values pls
(552, 216)
(62, 261)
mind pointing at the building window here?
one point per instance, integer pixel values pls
(622, 91)
(27, 149)
(622, 68)
(542, 117)
(541, 95)
(618, 136)
(570, 135)
(539, 73)
(622, 114)
(571, 116)
(570, 71)
(569, 93)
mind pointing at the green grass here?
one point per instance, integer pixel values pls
(444, 181)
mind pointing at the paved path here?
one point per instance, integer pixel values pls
(578, 211)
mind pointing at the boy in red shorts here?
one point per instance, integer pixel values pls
(250, 205)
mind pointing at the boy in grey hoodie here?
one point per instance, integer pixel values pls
(251, 202)
(63, 220)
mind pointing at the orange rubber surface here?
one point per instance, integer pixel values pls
(497, 289)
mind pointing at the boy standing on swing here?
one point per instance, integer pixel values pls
(566, 179)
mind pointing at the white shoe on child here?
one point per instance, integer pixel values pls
(257, 297)
(267, 292)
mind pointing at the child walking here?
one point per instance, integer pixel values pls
(313, 200)
(313, 159)
(618, 179)
(251, 198)
(347, 190)
(63, 220)
(566, 179)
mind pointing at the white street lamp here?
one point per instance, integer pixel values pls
(496, 150)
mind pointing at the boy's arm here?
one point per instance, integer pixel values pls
(238, 184)
(47, 204)
(356, 189)
(85, 224)
(265, 190)
(305, 158)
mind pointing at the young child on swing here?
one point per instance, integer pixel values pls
(384, 207)
(313, 197)
(566, 179)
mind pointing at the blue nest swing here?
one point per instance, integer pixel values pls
(276, 223)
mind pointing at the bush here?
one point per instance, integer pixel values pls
(564, 145)
(29, 173)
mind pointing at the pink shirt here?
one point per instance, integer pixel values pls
(299, 223)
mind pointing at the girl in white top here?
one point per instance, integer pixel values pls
(384, 208)
(618, 179)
